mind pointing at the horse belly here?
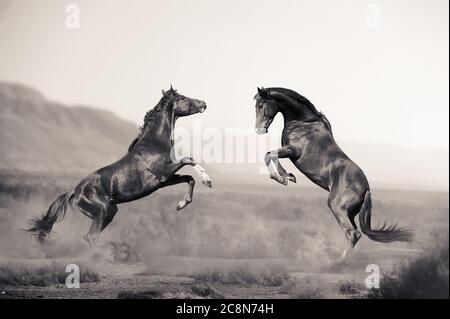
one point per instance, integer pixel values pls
(314, 171)
(134, 185)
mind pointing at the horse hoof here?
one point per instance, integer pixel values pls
(280, 179)
(182, 204)
(283, 181)
(292, 178)
(207, 183)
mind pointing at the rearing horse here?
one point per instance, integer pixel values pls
(308, 142)
(147, 167)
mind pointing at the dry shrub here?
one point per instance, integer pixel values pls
(245, 275)
(425, 277)
(43, 273)
(351, 288)
(304, 289)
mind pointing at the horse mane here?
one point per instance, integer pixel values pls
(133, 143)
(303, 100)
(163, 104)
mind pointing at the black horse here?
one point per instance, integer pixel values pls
(308, 142)
(147, 167)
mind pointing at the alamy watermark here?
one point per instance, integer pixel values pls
(373, 16)
(228, 146)
(72, 20)
(373, 279)
(73, 279)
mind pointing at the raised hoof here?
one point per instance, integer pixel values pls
(182, 204)
(280, 179)
(207, 183)
(292, 178)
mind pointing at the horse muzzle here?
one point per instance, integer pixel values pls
(202, 107)
(261, 130)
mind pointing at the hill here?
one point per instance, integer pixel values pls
(37, 134)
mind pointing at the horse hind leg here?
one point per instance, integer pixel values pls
(111, 212)
(100, 222)
(356, 235)
(353, 238)
(94, 212)
(97, 208)
(342, 209)
(93, 232)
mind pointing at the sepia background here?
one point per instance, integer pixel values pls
(71, 100)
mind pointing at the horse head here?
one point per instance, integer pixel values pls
(266, 109)
(183, 105)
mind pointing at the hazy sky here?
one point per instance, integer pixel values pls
(377, 69)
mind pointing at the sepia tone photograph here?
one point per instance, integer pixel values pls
(240, 150)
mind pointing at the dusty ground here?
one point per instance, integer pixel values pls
(224, 237)
(186, 278)
(126, 284)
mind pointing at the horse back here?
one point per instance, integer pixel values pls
(124, 180)
(319, 157)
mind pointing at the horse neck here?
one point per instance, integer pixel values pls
(297, 112)
(160, 126)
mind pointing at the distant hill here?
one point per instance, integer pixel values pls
(40, 135)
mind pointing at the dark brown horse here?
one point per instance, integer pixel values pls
(148, 166)
(308, 142)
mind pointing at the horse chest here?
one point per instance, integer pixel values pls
(297, 139)
(157, 164)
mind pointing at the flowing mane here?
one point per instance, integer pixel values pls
(303, 100)
(164, 103)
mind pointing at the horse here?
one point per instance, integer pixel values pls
(307, 140)
(148, 166)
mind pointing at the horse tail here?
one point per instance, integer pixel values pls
(42, 226)
(386, 233)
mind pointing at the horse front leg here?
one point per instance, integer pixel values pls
(199, 169)
(278, 173)
(177, 179)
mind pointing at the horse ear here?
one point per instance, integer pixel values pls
(259, 90)
(164, 92)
